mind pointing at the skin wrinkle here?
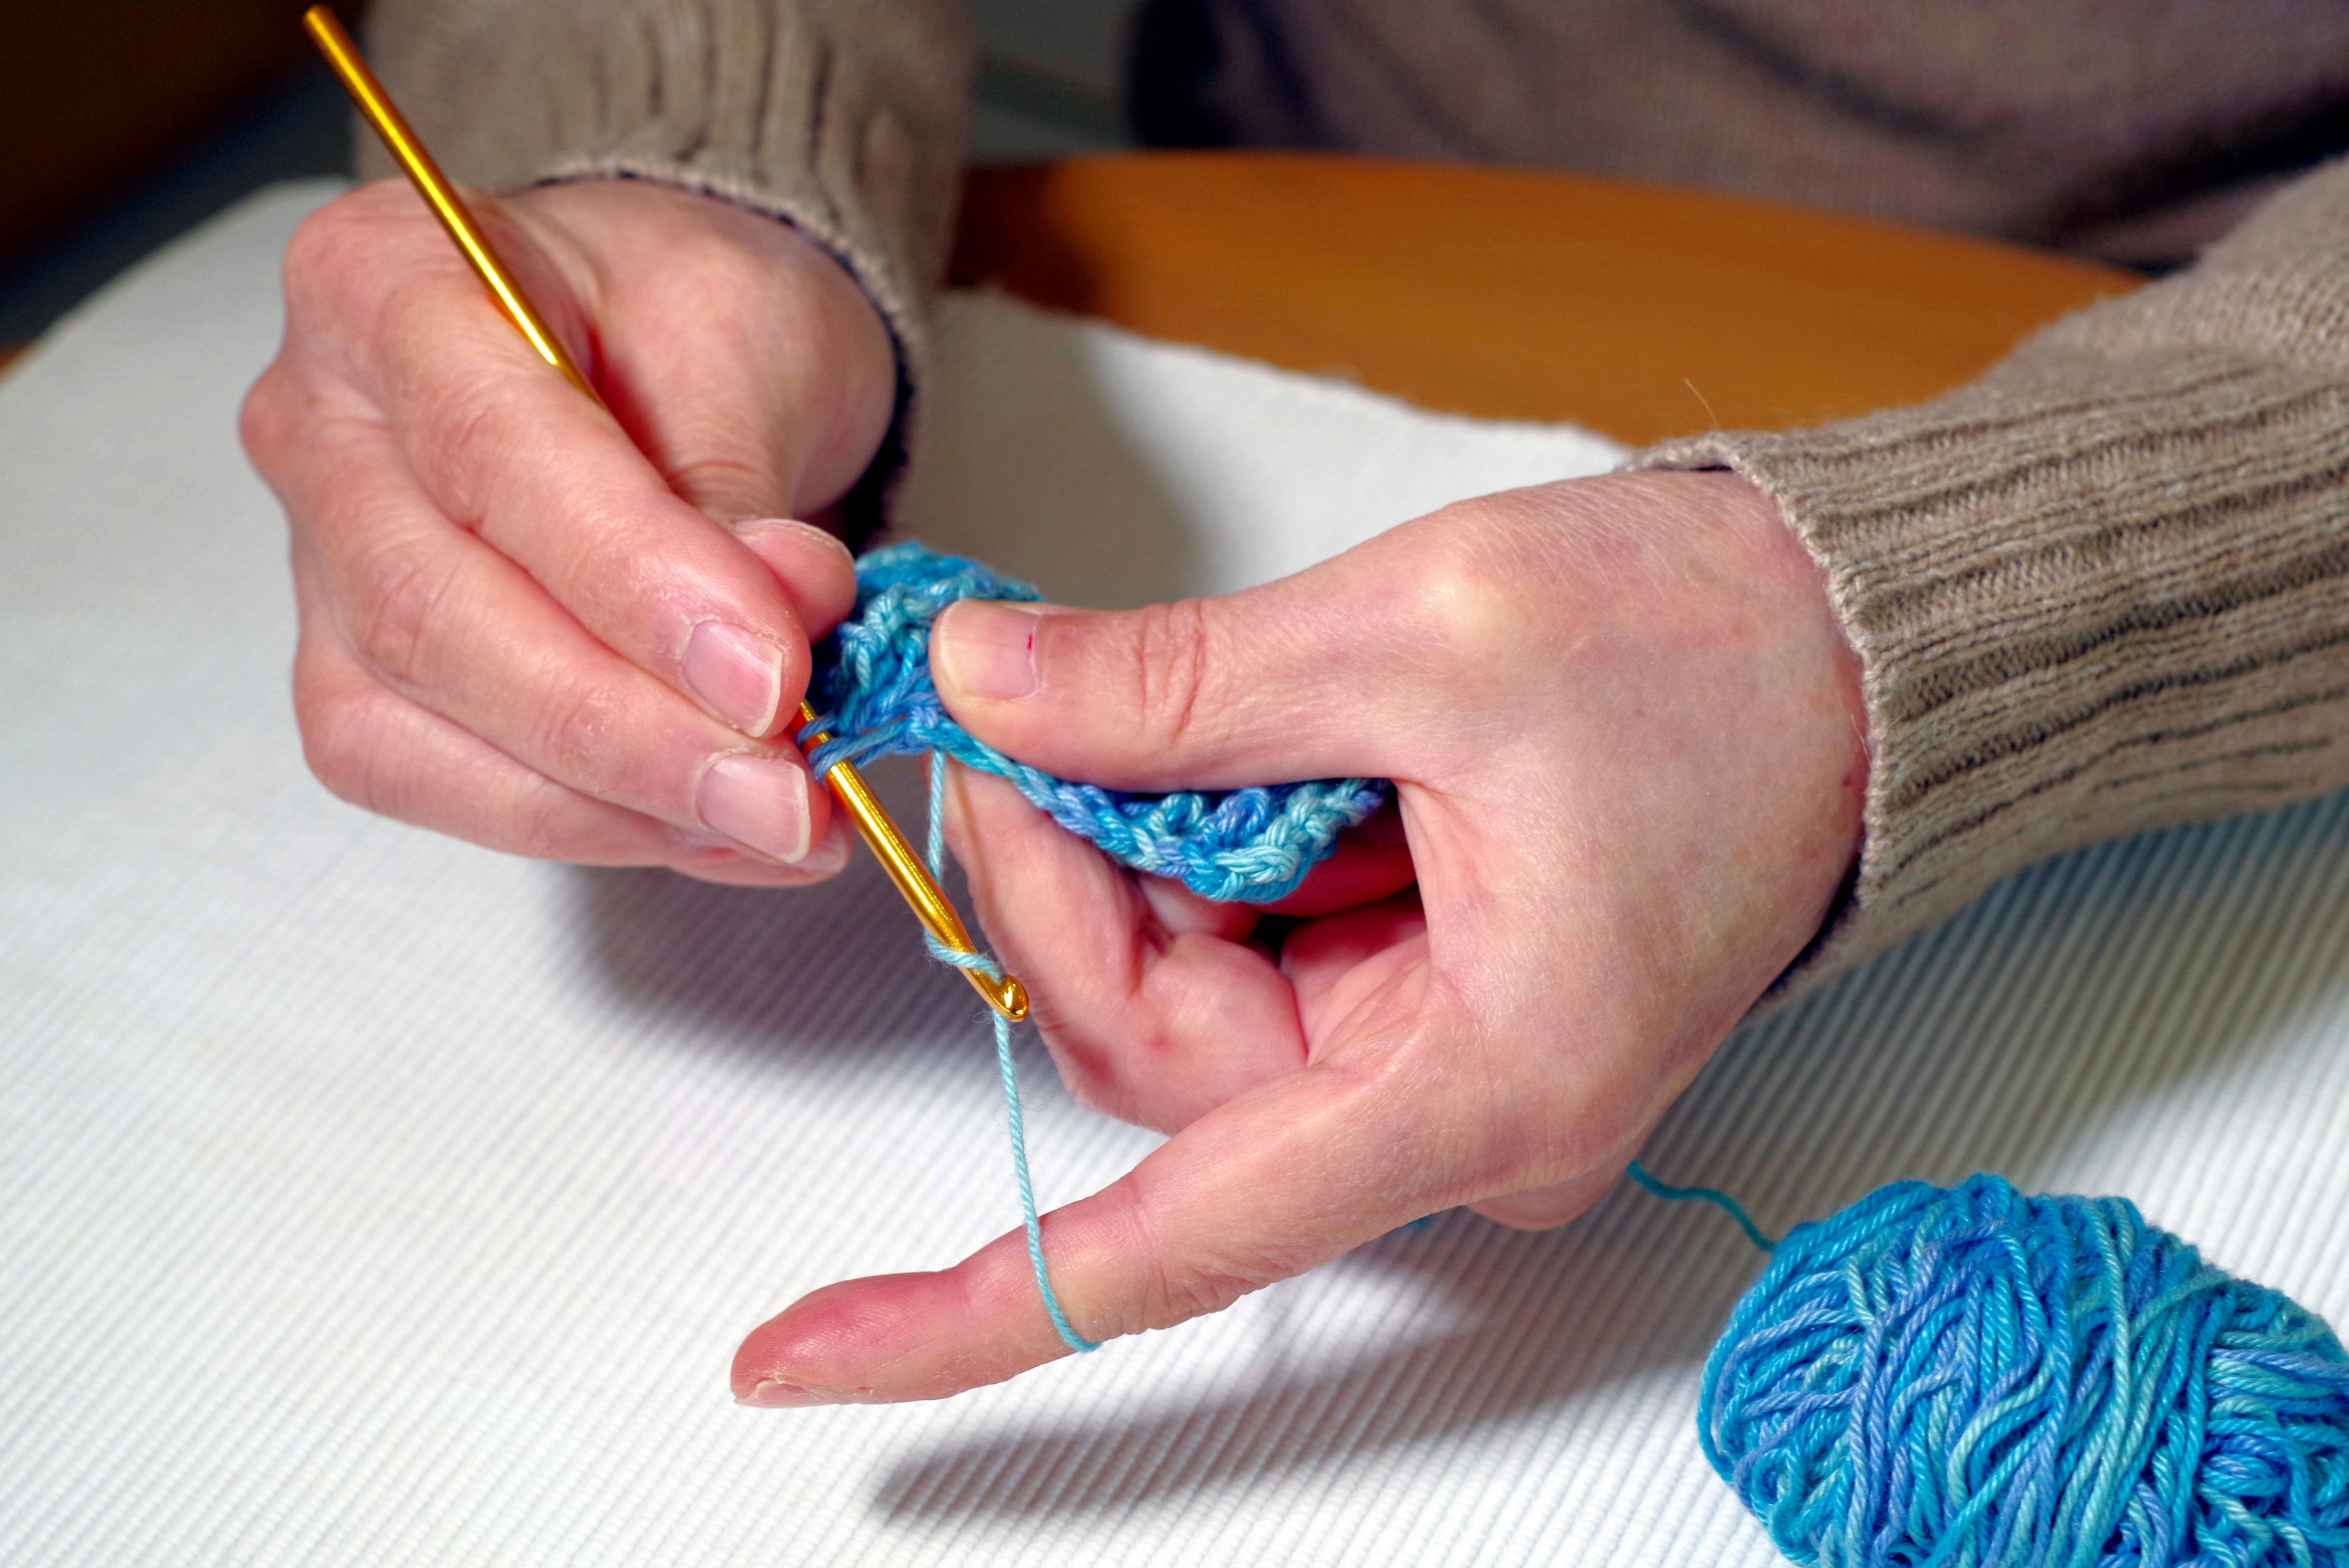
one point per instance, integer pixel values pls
(1172, 656)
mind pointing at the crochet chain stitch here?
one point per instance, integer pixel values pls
(871, 689)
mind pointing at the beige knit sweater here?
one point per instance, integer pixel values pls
(2105, 590)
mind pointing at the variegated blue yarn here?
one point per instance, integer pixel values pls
(871, 689)
(1969, 1375)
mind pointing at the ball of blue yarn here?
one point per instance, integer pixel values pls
(1969, 1375)
(871, 689)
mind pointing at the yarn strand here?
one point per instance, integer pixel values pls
(1712, 1195)
(1005, 1068)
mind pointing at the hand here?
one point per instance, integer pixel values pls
(526, 622)
(1626, 739)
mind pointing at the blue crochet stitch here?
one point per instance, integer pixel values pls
(871, 689)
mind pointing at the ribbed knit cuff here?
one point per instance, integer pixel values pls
(842, 119)
(2105, 588)
(2089, 600)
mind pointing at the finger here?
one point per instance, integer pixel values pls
(1367, 864)
(1262, 686)
(378, 751)
(508, 450)
(1261, 1189)
(828, 858)
(816, 571)
(451, 625)
(1151, 1019)
(1334, 963)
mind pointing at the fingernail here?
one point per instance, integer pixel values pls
(773, 1395)
(738, 673)
(760, 802)
(793, 528)
(988, 650)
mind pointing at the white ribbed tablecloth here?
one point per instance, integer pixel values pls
(367, 1197)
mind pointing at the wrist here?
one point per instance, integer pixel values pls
(1830, 708)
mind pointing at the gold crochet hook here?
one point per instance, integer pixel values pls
(1006, 994)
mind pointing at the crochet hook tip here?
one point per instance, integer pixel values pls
(1009, 998)
(1003, 991)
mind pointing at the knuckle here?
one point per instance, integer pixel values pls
(586, 722)
(396, 609)
(470, 433)
(729, 486)
(263, 418)
(1179, 1288)
(1172, 657)
(536, 821)
(336, 250)
(340, 740)
(322, 245)
(1465, 603)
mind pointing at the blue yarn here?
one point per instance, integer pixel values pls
(871, 689)
(1712, 1195)
(1004, 1069)
(1969, 1375)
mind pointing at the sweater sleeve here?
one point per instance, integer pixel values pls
(844, 118)
(2105, 588)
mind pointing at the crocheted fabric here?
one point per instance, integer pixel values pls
(871, 689)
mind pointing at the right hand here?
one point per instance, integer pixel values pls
(547, 629)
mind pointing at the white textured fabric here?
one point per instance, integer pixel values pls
(365, 1197)
(1114, 471)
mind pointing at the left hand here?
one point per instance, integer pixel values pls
(1628, 744)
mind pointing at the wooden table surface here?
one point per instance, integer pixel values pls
(1639, 311)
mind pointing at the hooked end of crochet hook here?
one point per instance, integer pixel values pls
(936, 911)
(1006, 995)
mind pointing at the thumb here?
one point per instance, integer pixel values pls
(1297, 680)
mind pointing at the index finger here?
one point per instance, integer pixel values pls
(506, 449)
(1262, 1188)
